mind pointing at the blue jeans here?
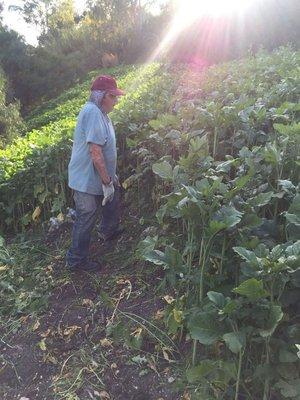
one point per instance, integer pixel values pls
(87, 210)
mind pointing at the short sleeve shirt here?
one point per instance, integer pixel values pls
(93, 126)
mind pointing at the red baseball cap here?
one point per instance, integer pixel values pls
(107, 83)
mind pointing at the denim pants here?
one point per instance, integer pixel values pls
(87, 211)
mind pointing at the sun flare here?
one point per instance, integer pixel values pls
(190, 10)
(187, 12)
(211, 7)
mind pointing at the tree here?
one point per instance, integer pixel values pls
(1, 9)
(35, 12)
(61, 20)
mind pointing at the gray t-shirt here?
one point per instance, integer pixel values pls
(93, 126)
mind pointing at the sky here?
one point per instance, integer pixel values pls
(14, 21)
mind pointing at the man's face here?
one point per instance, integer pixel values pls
(108, 102)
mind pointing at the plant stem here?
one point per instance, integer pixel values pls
(202, 264)
(194, 352)
(222, 255)
(267, 383)
(215, 142)
(238, 376)
(190, 256)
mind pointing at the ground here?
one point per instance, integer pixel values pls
(93, 340)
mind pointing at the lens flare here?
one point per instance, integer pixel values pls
(188, 12)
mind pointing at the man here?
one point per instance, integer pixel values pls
(92, 172)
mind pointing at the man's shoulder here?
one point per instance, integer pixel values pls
(90, 107)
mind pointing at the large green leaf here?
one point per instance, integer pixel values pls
(156, 257)
(225, 166)
(248, 256)
(173, 257)
(228, 216)
(272, 153)
(290, 389)
(275, 317)
(205, 327)
(286, 356)
(293, 218)
(251, 288)
(163, 169)
(235, 341)
(261, 199)
(201, 370)
(217, 298)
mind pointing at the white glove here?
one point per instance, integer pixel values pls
(108, 193)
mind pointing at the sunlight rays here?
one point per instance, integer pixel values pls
(214, 14)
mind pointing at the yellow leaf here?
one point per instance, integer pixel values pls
(45, 334)
(51, 359)
(3, 267)
(36, 325)
(169, 299)
(106, 342)
(36, 213)
(166, 355)
(177, 315)
(87, 302)
(42, 345)
(60, 217)
(104, 395)
(71, 330)
(127, 183)
(159, 314)
(137, 332)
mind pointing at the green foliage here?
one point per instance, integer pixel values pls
(228, 208)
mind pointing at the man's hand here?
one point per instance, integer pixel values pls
(106, 181)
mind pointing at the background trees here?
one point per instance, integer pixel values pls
(71, 43)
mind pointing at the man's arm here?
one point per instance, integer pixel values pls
(98, 160)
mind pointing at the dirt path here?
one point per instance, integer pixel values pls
(93, 341)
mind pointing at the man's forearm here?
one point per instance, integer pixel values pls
(99, 163)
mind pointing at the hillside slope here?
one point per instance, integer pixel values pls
(199, 299)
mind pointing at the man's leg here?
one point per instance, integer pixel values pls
(86, 216)
(110, 216)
